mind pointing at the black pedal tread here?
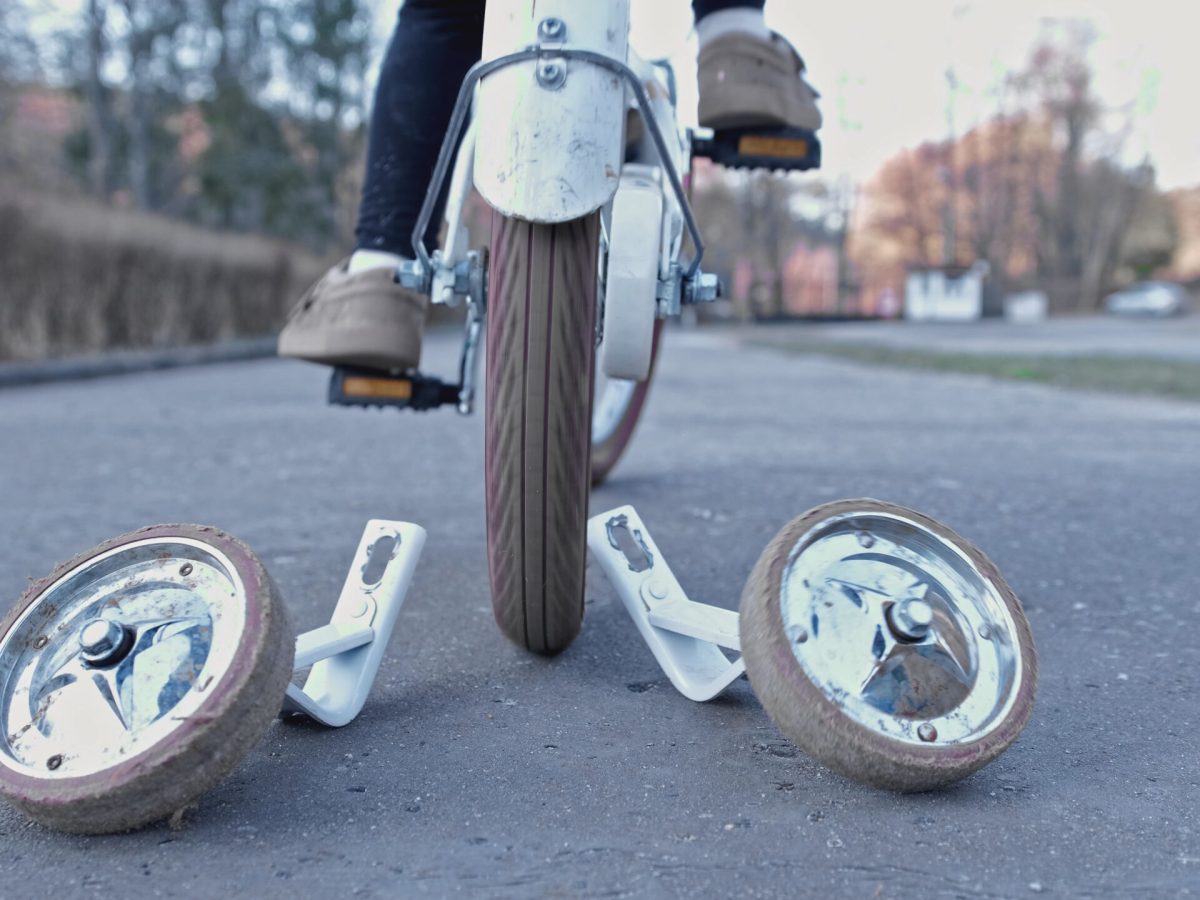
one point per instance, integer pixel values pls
(723, 149)
(428, 392)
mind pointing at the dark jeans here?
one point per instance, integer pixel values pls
(435, 43)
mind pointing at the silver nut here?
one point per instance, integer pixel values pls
(412, 275)
(705, 287)
(100, 636)
(551, 75)
(911, 618)
(103, 642)
(552, 28)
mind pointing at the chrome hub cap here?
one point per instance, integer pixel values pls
(899, 628)
(104, 642)
(909, 620)
(115, 655)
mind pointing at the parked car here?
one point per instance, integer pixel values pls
(1149, 298)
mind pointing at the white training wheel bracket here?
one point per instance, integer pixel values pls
(345, 654)
(685, 637)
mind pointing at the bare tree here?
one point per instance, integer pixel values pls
(328, 46)
(152, 87)
(1084, 210)
(1039, 190)
(18, 64)
(101, 122)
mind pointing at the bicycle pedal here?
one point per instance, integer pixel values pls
(408, 390)
(786, 149)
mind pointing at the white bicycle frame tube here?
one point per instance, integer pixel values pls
(455, 246)
(551, 153)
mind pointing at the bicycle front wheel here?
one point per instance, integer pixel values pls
(541, 341)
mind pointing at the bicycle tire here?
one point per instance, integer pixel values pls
(540, 368)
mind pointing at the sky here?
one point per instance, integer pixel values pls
(881, 68)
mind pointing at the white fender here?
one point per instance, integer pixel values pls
(631, 280)
(551, 155)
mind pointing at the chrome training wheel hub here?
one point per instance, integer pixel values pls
(116, 654)
(897, 625)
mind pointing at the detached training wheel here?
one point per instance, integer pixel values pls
(137, 676)
(878, 640)
(887, 646)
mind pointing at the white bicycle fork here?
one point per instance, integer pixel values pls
(550, 96)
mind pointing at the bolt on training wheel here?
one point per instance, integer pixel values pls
(887, 646)
(137, 676)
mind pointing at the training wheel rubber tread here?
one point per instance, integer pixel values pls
(803, 712)
(167, 777)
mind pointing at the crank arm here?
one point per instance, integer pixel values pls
(345, 654)
(685, 637)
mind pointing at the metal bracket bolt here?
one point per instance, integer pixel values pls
(552, 28)
(677, 290)
(551, 70)
(552, 74)
(704, 288)
(414, 276)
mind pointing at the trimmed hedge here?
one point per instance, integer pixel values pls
(79, 277)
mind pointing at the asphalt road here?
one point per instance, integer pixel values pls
(479, 770)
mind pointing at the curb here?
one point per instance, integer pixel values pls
(129, 362)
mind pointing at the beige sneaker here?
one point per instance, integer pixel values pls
(746, 81)
(365, 319)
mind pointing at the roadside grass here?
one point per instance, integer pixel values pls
(1118, 374)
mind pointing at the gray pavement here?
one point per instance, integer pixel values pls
(479, 770)
(1174, 338)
